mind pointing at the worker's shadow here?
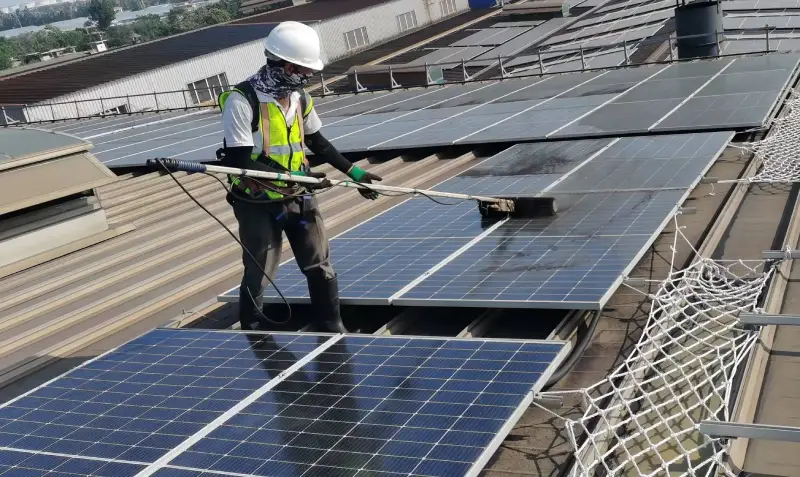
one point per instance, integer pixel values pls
(315, 412)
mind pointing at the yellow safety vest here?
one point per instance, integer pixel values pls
(282, 144)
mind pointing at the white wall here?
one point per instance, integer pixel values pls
(237, 63)
(380, 21)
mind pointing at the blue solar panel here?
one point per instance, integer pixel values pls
(414, 406)
(371, 269)
(614, 196)
(146, 397)
(349, 405)
(576, 260)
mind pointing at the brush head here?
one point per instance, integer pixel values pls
(519, 207)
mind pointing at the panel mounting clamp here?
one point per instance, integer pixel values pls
(734, 430)
(780, 254)
(763, 319)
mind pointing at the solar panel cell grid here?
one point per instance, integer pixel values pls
(574, 258)
(143, 399)
(648, 162)
(409, 406)
(359, 405)
(372, 270)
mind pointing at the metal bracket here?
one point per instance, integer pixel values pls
(750, 431)
(767, 320)
(359, 87)
(780, 254)
(541, 63)
(325, 90)
(625, 48)
(549, 402)
(687, 210)
(428, 79)
(503, 72)
(637, 282)
(392, 83)
(467, 77)
(709, 180)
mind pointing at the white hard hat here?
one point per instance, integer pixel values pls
(296, 43)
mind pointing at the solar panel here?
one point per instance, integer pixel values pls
(744, 93)
(759, 5)
(522, 23)
(604, 59)
(727, 93)
(491, 36)
(737, 44)
(538, 123)
(615, 196)
(192, 137)
(604, 16)
(752, 22)
(574, 262)
(324, 405)
(613, 31)
(520, 43)
(508, 98)
(451, 55)
(661, 93)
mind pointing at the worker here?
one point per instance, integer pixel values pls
(266, 120)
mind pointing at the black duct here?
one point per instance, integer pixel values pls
(696, 27)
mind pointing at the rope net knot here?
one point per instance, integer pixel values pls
(642, 419)
(776, 153)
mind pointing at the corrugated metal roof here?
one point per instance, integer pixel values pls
(43, 84)
(318, 10)
(177, 258)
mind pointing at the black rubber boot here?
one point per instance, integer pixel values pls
(324, 296)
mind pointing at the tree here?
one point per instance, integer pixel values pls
(6, 53)
(102, 12)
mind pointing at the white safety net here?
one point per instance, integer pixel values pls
(642, 419)
(776, 153)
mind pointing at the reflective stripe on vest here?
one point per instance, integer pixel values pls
(282, 144)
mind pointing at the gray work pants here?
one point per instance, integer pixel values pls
(261, 228)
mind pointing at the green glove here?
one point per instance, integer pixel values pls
(360, 175)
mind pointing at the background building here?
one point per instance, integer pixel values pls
(204, 60)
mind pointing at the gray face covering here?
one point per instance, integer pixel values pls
(272, 79)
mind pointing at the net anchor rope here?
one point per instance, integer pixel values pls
(776, 154)
(642, 419)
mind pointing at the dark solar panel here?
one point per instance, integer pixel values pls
(309, 404)
(723, 94)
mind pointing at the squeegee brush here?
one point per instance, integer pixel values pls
(518, 207)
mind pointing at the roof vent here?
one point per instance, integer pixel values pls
(47, 204)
